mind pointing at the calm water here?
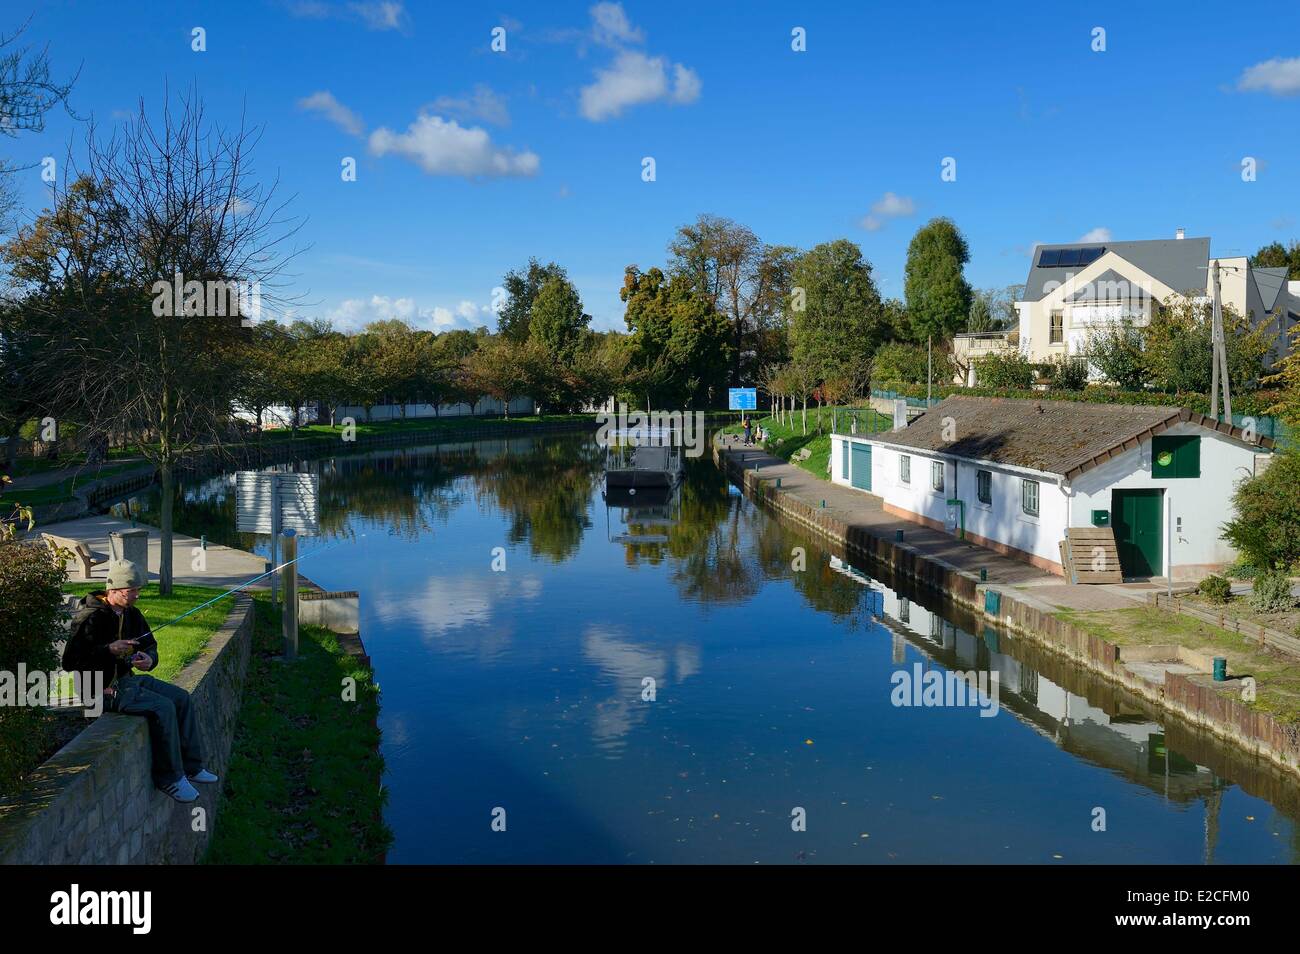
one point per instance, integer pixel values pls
(522, 688)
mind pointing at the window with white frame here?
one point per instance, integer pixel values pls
(1029, 497)
(936, 476)
(984, 486)
(904, 469)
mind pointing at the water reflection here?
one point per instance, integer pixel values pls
(769, 654)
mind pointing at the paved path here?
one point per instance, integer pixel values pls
(225, 566)
(865, 510)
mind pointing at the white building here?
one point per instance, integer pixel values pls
(1072, 289)
(1013, 475)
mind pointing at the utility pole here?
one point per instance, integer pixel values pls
(929, 364)
(1220, 357)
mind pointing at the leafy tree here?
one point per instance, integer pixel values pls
(900, 363)
(1179, 350)
(938, 296)
(506, 369)
(897, 323)
(557, 320)
(1266, 528)
(1115, 349)
(522, 288)
(744, 279)
(680, 344)
(1287, 378)
(1277, 255)
(842, 321)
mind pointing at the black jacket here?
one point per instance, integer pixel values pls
(94, 626)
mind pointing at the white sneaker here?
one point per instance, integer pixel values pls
(182, 790)
(203, 775)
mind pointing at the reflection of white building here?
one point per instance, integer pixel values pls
(1126, 741)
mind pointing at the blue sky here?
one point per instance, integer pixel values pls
(1053, 141)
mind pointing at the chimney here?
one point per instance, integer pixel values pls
(1178, 234)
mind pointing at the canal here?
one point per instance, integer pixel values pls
(689, 680)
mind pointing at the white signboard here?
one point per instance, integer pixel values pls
(258, 494)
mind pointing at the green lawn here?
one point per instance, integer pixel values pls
(1277, 675)
(180, 644)
(786, 441)
(302, 783)
(61, 491)
(417, 424)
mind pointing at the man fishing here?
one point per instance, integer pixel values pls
(110, 636)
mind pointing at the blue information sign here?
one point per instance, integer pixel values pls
(742, 399)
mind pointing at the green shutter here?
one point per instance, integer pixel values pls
(1176, 456)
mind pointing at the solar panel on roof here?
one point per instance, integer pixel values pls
(1049, 257)
(1089, 255)
(1069, 256)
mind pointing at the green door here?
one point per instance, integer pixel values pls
(844, 459)
(1138, 520)
(861, 466)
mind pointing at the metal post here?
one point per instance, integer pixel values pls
(275, 534)
(290, 578)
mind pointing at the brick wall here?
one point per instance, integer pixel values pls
(94, 801)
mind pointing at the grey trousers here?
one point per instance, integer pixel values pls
(173, 729)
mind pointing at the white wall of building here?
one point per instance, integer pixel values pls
(1002, 520)
(1200, 506)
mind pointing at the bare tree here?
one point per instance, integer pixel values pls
(188, 250)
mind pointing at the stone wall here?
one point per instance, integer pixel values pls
(94, 801)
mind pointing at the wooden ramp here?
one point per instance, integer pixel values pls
(1084, 547)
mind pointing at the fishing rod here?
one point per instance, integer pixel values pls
(248, 583)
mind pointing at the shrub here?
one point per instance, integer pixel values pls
(898, 362)
(1004, 369)
(1266, 528)
(1215, 588)
(1272, 593)
(1241, 570)
(1069, 373)
(31, 621)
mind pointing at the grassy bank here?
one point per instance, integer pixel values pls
(787, 440)
(1276, 674)
(303, 782)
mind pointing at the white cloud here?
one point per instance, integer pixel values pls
(636, 78)
(1099, 234)
(353, 314)
(375, 14)
(384, 15)
(442, 147)
(1277, 76)
(610, 25)
(482, 104)
(888, 206)
(323, 102)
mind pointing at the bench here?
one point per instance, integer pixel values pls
(88, 558)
